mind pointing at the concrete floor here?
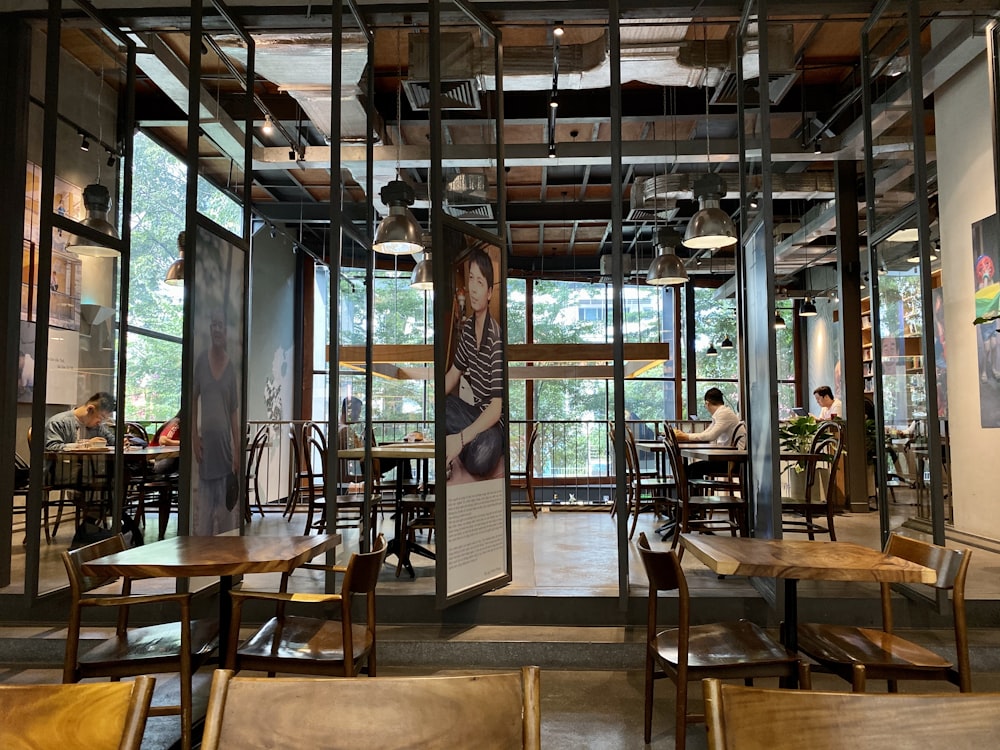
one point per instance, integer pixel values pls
(592, 691)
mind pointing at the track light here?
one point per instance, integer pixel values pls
(111, 159)
(273, 232)
(84, 143)
(554, 101)
(558, 30)
(779, 322)
(727, 343)
(291, 154)
(808, 309)
(754, 204)
(818, 146)
(398, 233)
(268, 127)
(711, 351)
(552, 151)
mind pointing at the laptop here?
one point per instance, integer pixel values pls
(799, 411)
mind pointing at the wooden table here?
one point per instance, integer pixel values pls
(794, 559)
(423, 452)
(224, 556)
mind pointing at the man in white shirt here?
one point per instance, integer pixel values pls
(830, 407)
(724, 422)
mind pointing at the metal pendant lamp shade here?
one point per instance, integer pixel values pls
(727, 343)
(667, 269)
(97, 201)
(175, 274)
(423, 277)
(808, 309)
(398, 233)
(779, 322)
(710, 227)
(711, 351)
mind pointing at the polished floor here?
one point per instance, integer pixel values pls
(592, 677)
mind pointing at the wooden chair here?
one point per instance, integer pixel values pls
(729, 483)
(499, 711)
(528, 474)
(348, 508)
(252, 484)
(692, 652)
(180, 646)
(828, 442)
(95, 716)
(698, 512)
(743, 718)
(313, 645)
(643, 491)
(857, 654)
(59, 504)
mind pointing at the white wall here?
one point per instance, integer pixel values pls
(965, 179)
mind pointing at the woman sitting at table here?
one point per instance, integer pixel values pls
(724, 423)
(169, 434)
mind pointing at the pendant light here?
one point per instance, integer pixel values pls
(808, 309)
(423, 273)
(710, 227)
(97, 201)
(667, 269)
(727, 343)
(399, 233)
(711, 351)
(175, 274)
(779, 322)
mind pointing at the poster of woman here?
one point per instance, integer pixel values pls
(985, 242)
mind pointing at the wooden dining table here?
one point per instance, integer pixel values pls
(225, 556)
(793, 560)
(422, 452)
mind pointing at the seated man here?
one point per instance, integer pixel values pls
(350, 413)
(724, 422)
(86, 421)
(830, 406)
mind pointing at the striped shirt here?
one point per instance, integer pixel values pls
(482, 366)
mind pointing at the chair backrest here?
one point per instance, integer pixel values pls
(952, 568)
(676, 464)
(529, 451)
(664, 572)
(746, 718)
(739, 437)
(74, 560)
(255, 454)
(90, 716)
(828, 441)
(485, 711)
(134, 429)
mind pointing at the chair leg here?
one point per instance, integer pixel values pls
(680, 718)
(858, 678)
(648, 700)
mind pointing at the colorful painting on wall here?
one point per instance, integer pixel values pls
(986, 263)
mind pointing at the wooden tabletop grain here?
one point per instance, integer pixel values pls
(802, 559)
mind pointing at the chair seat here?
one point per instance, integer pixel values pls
(306, 639)
(147, 645)
(844, 644)
(724, 644)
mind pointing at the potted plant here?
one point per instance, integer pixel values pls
(795, 435)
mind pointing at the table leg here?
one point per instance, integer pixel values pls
(790, 627)
(225, 616)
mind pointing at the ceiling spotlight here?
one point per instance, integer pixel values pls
(84, 143)
(727, 343)
(710, 227)
(554, 101)
(558, 30)
(754, 204)
(268, 127)
(779, 322)
(667, 269)
(818, 146)
(291, 154)
(711, 351)
(398, 233)
(552, 151)
(273, 232)
(111, 159)
(808, 309)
